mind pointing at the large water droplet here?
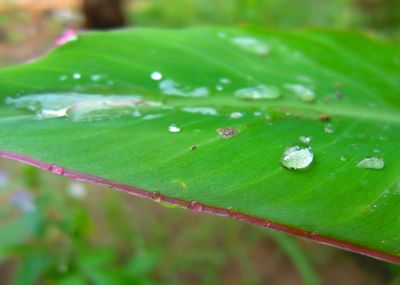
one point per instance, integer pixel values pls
(252, 45)
(372, 163)
(296, 157)
(258, 92)
(174, 129)
(156, 75)
(227, 133)
(302, 92)
(56, 169)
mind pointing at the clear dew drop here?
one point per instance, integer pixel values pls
(305, 139)
(156, 75)
(219, 87)
(174, 129)
(96, 77)
(302, 92)
(56, 169)
(76, 76)
(296, 157)
(224, 80)
(196, 206)
(258, 92)
(236, 115)
(251, 45)
(156, 196)
(328, 129)
(371, 163)
(193, 147)
(63, 77)
(342, 158)
(227, 133)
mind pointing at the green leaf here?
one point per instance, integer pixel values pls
(166, 139)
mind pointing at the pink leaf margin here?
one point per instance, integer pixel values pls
(197, 207)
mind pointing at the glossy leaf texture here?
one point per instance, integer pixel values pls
(201, 118)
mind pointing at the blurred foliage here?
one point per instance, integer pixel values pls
(380, 16)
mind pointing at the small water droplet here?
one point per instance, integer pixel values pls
(200, 110)
(224, 80)
(174, 129)
(76, 76)
(329, 129)
(342, 158)
(63, 77)
(258, 92)
(196, 206)
(236, 115)
(296, 157)
(302, 92)
(252, 45)
(371, 163)
(156, 75)
(156, 196)
(56, 169)
(227, 133)
(193, 147)
(96, 77)
(219, 87)
(305, 139)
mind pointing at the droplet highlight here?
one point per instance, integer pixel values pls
(258, 92)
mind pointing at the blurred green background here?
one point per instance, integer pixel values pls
(56, 231)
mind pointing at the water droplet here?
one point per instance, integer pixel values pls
(342, 158)
(236, 115)
(201, 110)
(258, 92)
(156, 75)
(170, 87)
(63, 77)
(302, 92)
(96, 77)
(174, 129)
(156, 196)
(252, 45)
(193, 147)
(224, 80)
(219, 87)
(296, 157)
(67, 36)
(329, 129)
(372, 163)
(227, 133)
(76, 76)
(196, 206)
(56, 169)
(305, 139)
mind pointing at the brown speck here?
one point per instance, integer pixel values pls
(339, 95)
(339, 83)
(324, 117)
(227, 133)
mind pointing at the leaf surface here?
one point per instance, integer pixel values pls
(144, 108)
